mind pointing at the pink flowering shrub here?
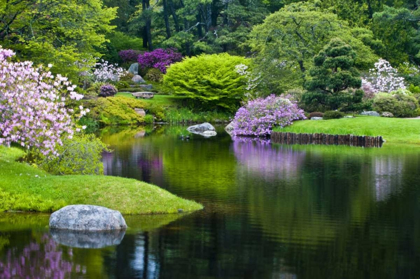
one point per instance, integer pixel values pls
(32, 105)
(382, 78)
(106, 72)
(159, 59)
(259, 116)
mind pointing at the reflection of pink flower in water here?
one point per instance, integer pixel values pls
(43, 260)
(261, 157)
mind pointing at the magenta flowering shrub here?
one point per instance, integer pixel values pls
(32, 105)
(107, 90)
(259, 116)
(159, 59)
(129, 55)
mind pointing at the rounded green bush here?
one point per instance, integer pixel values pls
(208, 81)
(398, 104)
(332, 114)
(154, 75)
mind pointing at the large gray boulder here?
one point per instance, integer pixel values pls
(138, 79)
(87, 218)
(316, 118)
(134, 69)
(87, 239)
(370, 113)
(205, 129)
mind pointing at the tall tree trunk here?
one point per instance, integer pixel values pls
(174, 16)
(214, 12)
(144, 29)
(166, 18)
(199, 28)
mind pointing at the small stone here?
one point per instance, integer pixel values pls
(370, 113)
(180, 211)
(146, 86)
(204, 129)
(229, 128)
(317, 118)
(387, 114)
(138, 79)
(140, 112)
(349, 116)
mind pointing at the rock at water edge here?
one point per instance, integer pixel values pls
(87, 218)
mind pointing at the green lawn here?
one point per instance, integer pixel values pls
(393, 130)
(162, 100)
(26, 188)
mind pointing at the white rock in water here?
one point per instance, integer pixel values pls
(87, 218)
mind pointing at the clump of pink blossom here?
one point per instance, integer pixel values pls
(32, 105)
(382, 78)
(258, 117)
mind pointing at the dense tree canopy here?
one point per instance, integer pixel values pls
(66, 33)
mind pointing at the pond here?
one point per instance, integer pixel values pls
(271, 211)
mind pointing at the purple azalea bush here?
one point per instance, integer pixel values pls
(33, 112)
(159, 59)
(259, 116)
(107, 90)
(129, 55)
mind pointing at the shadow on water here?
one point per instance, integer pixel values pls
(270, 211)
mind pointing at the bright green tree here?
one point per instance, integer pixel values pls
(208, 81)
(288, 40)
(65, 33)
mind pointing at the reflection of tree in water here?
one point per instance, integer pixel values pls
(41, 259)
(388, 176)
(261, 158)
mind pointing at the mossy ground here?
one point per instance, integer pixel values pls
(26, 188)
(393, 130)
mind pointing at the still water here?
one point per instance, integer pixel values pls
(271, 211)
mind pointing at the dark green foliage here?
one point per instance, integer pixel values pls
(333, 114)
(345, 101)
(80, 155)
(122, 84)
(399, 105)
(154, 75)
(208, 81)
(334, 69)
(316, 114)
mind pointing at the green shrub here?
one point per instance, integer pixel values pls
(208, 81)
(115, 111)
(345, 101)
(316, 114)
(80, 155)
(148, 119)
(122, 84)
(154, 75)
(332, 114)
(127, 77)
(398, 104)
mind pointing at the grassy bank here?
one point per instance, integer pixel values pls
(393, 130)
(26, 188)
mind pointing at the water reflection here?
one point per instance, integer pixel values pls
(271, 211)
(86, 239)
(39, 259)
